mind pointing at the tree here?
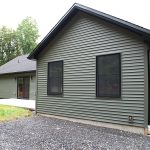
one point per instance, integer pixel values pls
(8, 44)
(27, 35)
(17, 42)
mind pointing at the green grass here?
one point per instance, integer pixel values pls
(11, 112)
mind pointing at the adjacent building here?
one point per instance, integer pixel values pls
(18, 78)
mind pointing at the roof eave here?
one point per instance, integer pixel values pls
(72, 11)
(61, 23)
(30, 71)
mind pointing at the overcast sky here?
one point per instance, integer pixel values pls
(48, 12)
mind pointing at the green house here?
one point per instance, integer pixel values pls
(18, 78)
(93, 68)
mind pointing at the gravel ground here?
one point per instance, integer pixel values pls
(42, 133)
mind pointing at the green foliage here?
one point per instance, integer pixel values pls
(20, 41)
(27, 34)
(8, 44)
(11, 112)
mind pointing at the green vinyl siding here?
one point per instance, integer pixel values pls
(8, 85)
(32, 88)
(78, 44)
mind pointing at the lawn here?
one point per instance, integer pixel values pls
(11, 112)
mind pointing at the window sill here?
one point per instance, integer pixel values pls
(56, 94)
(109, 98)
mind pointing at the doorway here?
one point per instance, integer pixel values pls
(23, 87)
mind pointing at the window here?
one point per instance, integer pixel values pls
(108, 76)
(55, 78)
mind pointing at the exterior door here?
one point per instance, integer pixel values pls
(23, 87)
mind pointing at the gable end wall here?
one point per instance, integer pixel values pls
(78, 44)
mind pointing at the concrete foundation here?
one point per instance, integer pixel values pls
(133, 129)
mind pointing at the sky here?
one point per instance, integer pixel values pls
(48, 12)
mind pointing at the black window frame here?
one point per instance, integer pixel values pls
(113, 96)
(48, 80)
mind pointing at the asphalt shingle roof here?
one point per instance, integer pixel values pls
(18, 64)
